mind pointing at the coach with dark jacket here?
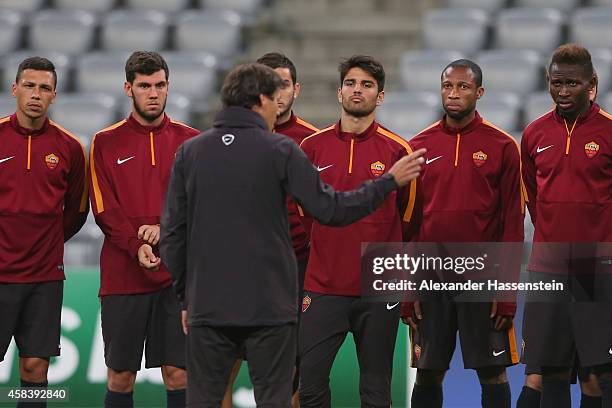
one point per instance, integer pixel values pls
(225, 238)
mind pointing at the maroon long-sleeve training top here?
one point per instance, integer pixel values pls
(43, 199)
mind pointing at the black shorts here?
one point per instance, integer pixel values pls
(555, 334)
(433, 344)
(326, 320)
(31, 312)
(212, 352)
(151, 321)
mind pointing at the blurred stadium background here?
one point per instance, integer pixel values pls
(89, 41)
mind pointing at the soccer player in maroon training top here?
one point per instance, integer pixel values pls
(355, 149)
(130, 167)
(472, 192)
(43, 202)
(567, 166)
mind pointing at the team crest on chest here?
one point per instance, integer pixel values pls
(52, 161)
(479, 158)
(377, 168)
(591, 149)
(306, 303)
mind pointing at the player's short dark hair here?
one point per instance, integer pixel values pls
(573, 54)
(469, 64)
(366, 63)
(246, 82)
(144, 63)
(38, 64)
(277, 60)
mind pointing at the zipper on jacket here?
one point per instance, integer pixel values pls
(350, 168)
(152, 149)
(29, 151)
(457, 149)
(569, 135)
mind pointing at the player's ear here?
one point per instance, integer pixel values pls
(340, 95)
(296, 90)
(479, 92)
(380, 98)
(127, 87)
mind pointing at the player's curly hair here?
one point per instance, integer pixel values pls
(246, 82)
(366, 63)
(144, 63)
(573, 54)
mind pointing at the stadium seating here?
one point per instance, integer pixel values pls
(25, 6)
(421, 70)
(94, 6)
(501, 109)
(101, 72)
(407, 113)
(7, 104)
(217, 32)
(519, 71)
(591, 27)
(128, 30)
(537, 104)
(192, 74)
(84, 114)
(463, 30)
(490, 6)
(10, 30)
(61, 61)
(244, 7)
(67, 31)
(529, 28)
(564, 5)
(167, 6)
(602, 61)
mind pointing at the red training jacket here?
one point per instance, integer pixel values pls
(472, 188)
(296, 129)
(130, 167)
(43, 199)
(568, 175)
(345, 160)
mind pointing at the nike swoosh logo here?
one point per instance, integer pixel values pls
(323, 168)
(496, 354)
(6, 158)
(389, 307)
(121, 161)
(540, 150)
(432, 160)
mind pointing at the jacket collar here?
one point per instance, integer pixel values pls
(348, 136)
(466, 129)
(593, 110)
(238, 117)
(28, 132)
(288, 124)
(134, 124)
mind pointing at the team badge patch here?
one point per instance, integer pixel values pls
(306, 303)
(51, 160)
(417, 351)
(377, 168)
(591, 149)
(479, 158)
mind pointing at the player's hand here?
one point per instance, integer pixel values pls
(501, 323)
(184, 321)
(418, 315)
(147, 259)
(407, 168)
(149, 233)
